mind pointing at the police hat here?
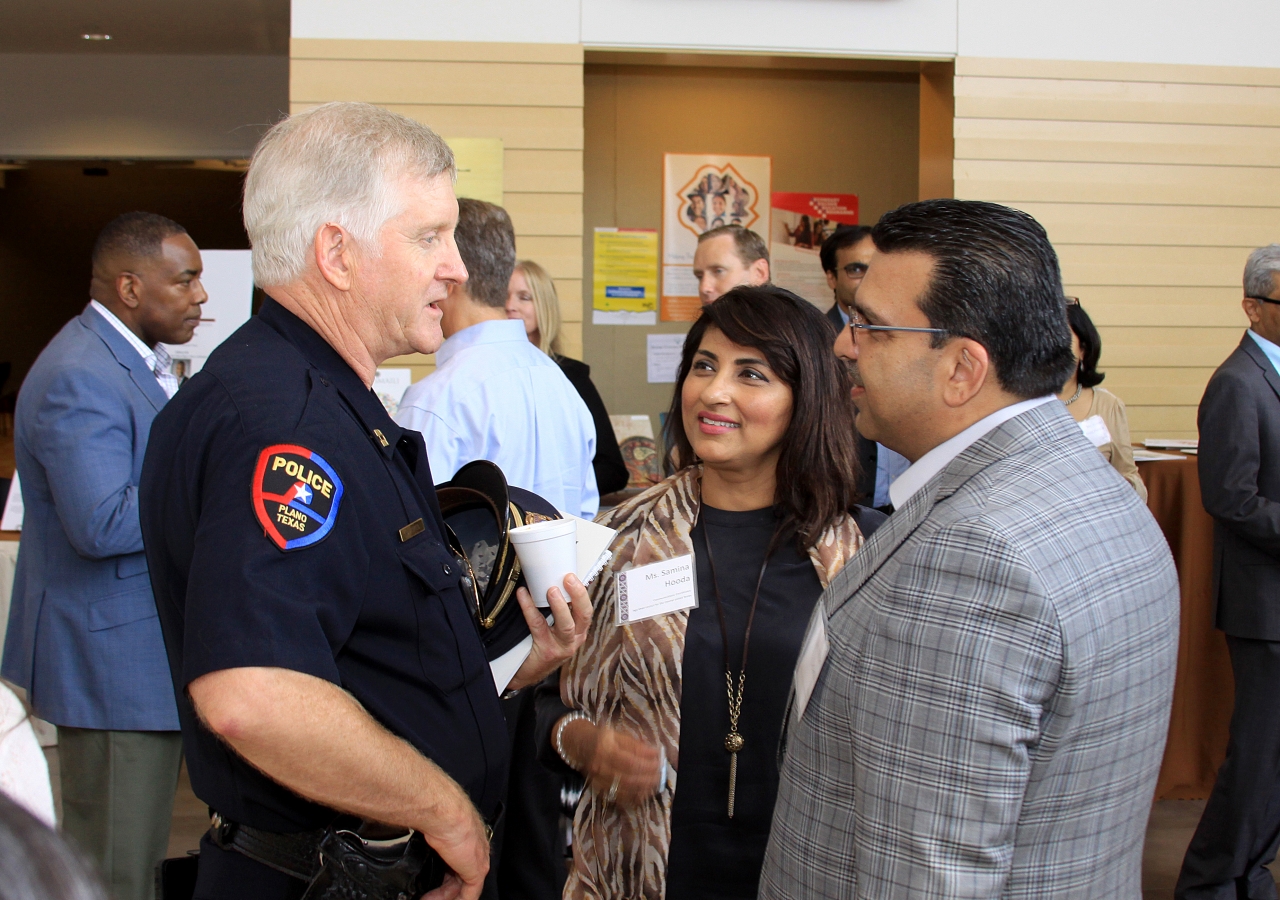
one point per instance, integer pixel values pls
(479, 510)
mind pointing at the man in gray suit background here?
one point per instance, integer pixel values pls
(84, 638)
(981, 702)
(1240, 483)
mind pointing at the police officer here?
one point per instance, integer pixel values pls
(322, 652)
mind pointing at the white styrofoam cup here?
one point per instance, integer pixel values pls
(548, 551)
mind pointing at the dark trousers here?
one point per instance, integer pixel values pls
(529, 858)
(228, 875)
(1239, 832)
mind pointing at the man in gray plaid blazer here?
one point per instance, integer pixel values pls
(981, 703)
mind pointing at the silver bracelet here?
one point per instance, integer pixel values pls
(576, 715)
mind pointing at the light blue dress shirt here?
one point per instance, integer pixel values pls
(496, 396)
(1272, 351)
(889, 466)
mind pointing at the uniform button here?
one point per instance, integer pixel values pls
(447, 570)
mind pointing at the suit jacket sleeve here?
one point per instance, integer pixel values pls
(83, 438)
(1230, 457)
(974, 658)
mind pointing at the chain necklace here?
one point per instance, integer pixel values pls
(734, 741)
(1076, 395)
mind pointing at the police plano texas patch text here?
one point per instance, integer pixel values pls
(295, 495)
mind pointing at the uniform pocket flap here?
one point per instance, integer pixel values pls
(121, 609)
(133, 564)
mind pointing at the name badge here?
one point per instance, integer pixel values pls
(813, 655)
(656, 589)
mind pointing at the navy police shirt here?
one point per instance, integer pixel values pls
(290, 523)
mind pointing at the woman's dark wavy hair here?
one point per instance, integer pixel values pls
(1090, 344)
(818, 469)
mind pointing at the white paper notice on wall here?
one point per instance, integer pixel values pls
(663, 357)
(389, 385)
(228, 278)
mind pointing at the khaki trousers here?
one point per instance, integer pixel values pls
(117, 802)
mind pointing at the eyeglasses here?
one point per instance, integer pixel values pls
(1263, 299)
(856, 323)
(855, 270)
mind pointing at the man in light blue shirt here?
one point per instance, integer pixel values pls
(494, 395)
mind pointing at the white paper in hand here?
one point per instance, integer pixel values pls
(813, 656)
(593, 555)
(656, 589)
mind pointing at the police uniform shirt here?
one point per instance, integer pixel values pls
(290, 523)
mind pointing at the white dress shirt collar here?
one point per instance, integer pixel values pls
(933, 462)
(157, 360)
(492, 331)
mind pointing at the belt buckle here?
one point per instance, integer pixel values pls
(222, 831)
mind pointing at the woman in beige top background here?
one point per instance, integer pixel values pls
(1089, 403)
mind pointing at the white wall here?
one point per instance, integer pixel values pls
(1227, 33)
(918, 28)
(530, 21)
(85, 106)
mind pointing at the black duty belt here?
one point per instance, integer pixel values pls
(293, 854)
(347, 860)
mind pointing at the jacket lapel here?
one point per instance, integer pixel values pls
(1254, 352)
(127, 356)
(1020, 431)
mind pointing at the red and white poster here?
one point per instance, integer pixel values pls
(801, 222)
(701, 192)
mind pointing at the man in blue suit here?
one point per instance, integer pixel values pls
(83, 637)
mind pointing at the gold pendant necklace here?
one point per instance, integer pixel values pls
(734, 741)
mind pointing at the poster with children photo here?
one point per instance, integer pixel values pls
(701, 192)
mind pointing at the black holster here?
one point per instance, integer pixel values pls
(349, 860)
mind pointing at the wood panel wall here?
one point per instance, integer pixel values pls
(528, 95)
(1154, 183)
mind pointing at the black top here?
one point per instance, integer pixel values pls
(611, 471)
(273, 498)
(711, 855)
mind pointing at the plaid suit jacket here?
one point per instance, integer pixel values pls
(991, 715)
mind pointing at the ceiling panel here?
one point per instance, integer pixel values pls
(257, 27)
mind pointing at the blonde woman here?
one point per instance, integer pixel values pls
(531, 297)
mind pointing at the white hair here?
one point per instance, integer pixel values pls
(1262, 263)
(333, 163)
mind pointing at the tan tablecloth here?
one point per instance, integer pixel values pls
(1202, 694)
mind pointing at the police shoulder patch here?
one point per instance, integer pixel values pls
(295, 495)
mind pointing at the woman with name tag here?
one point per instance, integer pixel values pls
(701, 613)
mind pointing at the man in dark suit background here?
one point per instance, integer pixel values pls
(1240, 482)
(844, 257)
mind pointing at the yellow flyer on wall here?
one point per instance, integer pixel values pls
(625, 276)
(701, 192)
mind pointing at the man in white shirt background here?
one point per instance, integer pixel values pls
(494, 395)
(83, 639)
(728, 256)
